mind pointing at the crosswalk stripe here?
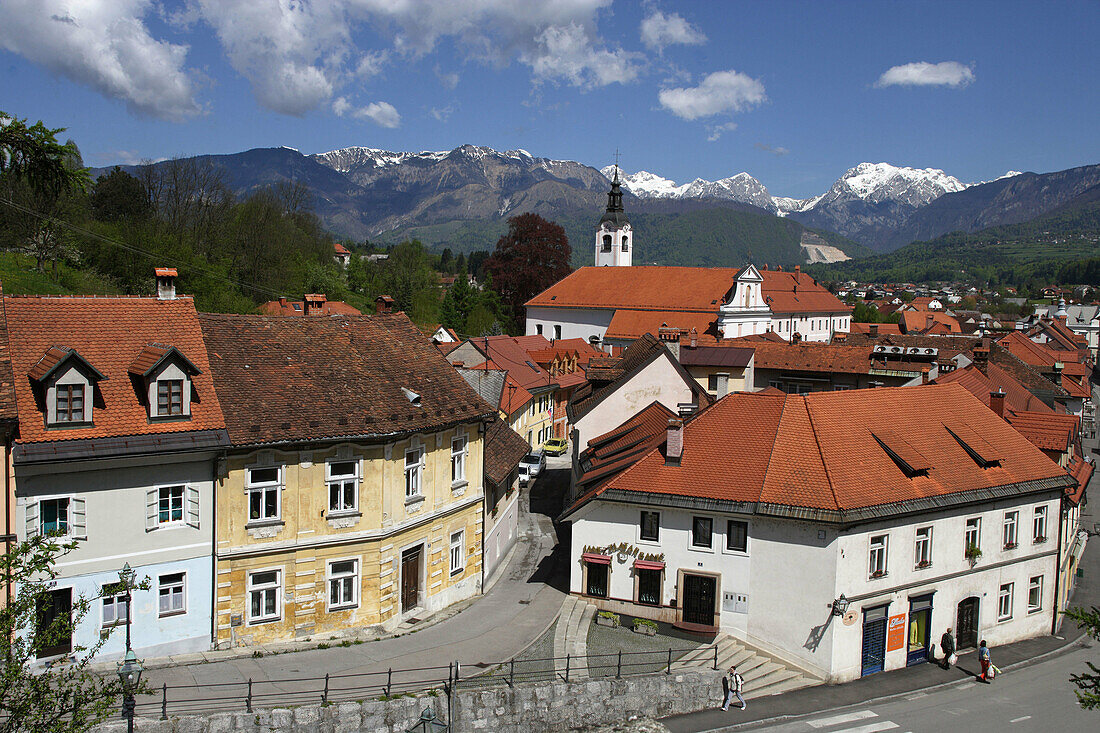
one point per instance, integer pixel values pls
(871, 728)
(841, 719)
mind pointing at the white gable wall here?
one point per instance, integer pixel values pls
(575, 322)
(659, 381)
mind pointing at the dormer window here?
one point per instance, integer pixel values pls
(69, 403)
(169, 397)
(66, 383)
(165, 376)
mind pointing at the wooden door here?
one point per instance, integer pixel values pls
(966, 630)
(699, 597)
(410, 579)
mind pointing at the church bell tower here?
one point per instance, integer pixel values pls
(614, 237)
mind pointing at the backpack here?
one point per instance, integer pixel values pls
(738, 681)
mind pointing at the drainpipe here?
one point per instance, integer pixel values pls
(214, 550)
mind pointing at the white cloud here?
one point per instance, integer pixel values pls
(447, 79)
(568, 53)
(722, 91)
(922, 73)
(105, 45)
(715, 131)
(371, 63)
(660, 30)
(442, 113)
(380, 113)
(778, 151)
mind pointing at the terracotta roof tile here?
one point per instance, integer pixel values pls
(283, 307)
(923, 321)
(632, 324)
(110, 333)
(287, 379)
(813, 357)
(818, 451)
(1047, 430)
(980, 384)
(8, 410)
(1081, 471)
(504, 449)
(884, 329)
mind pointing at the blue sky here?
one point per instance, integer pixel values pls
(792, 92)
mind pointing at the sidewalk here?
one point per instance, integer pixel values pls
(877, 687)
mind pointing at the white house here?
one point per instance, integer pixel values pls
(842, 531)
(118, 430)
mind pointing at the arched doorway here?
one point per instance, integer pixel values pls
(966, 627)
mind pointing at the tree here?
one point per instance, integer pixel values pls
(533, 255)
(118, 196)
(33, 154)
(67, 698)
(1088, 684)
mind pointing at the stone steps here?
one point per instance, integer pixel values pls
(763, 674)
(571, 637)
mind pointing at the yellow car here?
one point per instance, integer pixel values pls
(555, 446)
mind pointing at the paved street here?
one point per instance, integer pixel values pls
(495, 627)
(1034, 698)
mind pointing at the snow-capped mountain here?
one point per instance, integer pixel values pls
(877, 182)
(741, 187)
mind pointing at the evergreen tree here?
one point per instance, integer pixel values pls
(1088, 683)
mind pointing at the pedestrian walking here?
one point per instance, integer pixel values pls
(947, 644)
(734, 683)
(986, 662)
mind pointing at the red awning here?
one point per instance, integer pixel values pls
(599, 559)
(648, 565)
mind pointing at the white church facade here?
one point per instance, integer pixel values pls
(615, 302)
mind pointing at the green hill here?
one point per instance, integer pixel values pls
(1060, 247)
(714, 237)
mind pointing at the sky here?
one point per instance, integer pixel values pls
(795, 93)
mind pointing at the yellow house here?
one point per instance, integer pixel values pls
(353, 494)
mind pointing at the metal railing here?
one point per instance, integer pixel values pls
(253, 694)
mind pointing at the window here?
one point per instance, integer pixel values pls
(923, 547)
(170, 504)
(626, 246)
(169, 397)
(649, 586)
(737, 535)
(1035, 594)
(712, 382)
(458, 552)
(343, 486)
(54, 515)
(458, 459)
(263, 596)
(607, 243)
(557, 332)
(878, 556)
(538, 329)
(69, 405)
(170, 592)
(596, 579)
(343, 584)
(1004, 603)
(973, 540)
(1010, 537)
(650, 530)
(263, 486)
(115, 608)
(413, 467)
(1039, 525)
(701, 530)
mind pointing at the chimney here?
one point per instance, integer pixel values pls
(981, 356)
(929, 321)
(1057, 369)
(723, 384)
(997, 402)
(314, 303)
(796, 338)
(694, 337)
(797, 272)
(383, 304)
(874, 330)
(924, 370)
(674, 446)
(282, 301)
(166, 283)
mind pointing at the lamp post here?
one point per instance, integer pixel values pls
(428, 723)
(130, 669)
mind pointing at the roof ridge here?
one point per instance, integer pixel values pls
(820, 453)
(771, 450)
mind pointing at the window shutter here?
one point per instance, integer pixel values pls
(33, 527)
(79, 529)
(152, 504)
(192, 506)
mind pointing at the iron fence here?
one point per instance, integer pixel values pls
(253, 694)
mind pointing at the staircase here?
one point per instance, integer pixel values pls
(571, 637)
(763, 674)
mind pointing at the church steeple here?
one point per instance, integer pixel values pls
(614, 245)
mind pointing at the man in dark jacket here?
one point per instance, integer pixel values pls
(947, 645)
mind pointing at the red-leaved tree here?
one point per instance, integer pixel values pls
(531, 257)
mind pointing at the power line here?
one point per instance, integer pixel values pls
(137, 250)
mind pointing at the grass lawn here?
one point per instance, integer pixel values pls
(19, 277)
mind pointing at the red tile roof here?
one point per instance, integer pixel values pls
(8, 411)
(884, 329)
(980, 384)
(813, 357)
(165, 272)
(681, 289)
(283, 307)
(1027, 350)
(340, 249)
(632, 324)
(110, 333)
(1081, 471)
(734, 356)
(818, 451)
(929, 321)
(1047, 430)
(504, 449)
(287, 379)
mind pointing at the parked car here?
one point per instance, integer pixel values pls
(555, 447)
(534, 461)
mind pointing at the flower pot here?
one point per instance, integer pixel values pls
(603, 621)
(646, 630)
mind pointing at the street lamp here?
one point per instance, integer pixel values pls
(428, 723)
(840, 605)
(129, 674)
(126, 577)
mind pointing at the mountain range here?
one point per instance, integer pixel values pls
(462, 198)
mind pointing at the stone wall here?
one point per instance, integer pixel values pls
(546, 706)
